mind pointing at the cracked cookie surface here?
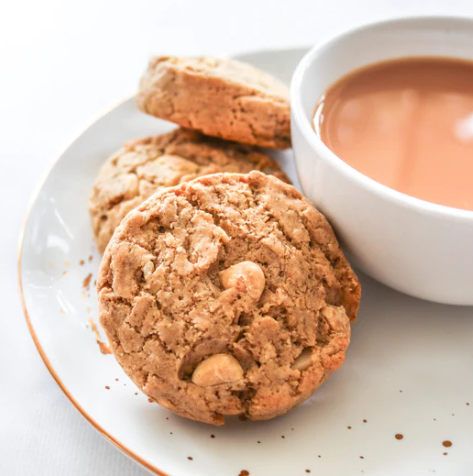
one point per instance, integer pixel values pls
(144, 166)
(228, 294)
(220, 97)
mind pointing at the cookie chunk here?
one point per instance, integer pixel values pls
(220, 97)
(144, 166)
(226, 295)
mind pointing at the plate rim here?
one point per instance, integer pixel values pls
(34, 196)
(31, 329)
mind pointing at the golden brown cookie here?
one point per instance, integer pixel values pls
(225, 295)
(220, 97)
(144, 166)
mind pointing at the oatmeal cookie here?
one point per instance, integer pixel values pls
(227, 295)
(145, 166)
(220, 97)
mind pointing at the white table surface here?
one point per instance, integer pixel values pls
(62, 62)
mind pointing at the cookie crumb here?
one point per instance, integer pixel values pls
(190, 458)
(320, 456)
(107, 387)
(398, 436)
(64, 273)
(136, 393)
(82, 262)
(447, 443)
(244, 472)
(150, 400)
(104, 348)
(362, 457)
(349, 427)
(66, 263)
(307, 470)
(445, 454)
(467, 403)
(212, 436)
(87, 280)
(90, 258)
(50, 265)
(242, 417)
(365, 421)
(282, 436)
(116, 380)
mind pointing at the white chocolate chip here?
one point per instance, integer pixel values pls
(246, 277)
(147, 269)
(218, 369)
(304, 361)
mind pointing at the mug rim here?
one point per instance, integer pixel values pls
(304, 125)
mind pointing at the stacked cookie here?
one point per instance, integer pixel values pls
(222, 290)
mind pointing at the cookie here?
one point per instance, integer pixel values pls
(144, 166)
(220, 97)
(227, 295)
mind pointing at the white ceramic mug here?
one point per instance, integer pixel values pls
(417, 247)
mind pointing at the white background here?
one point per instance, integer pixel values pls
(61, 64)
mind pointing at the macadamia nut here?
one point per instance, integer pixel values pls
(147, 269)
(337, 318)
(246, 277)
(304, 361)
(218, 369)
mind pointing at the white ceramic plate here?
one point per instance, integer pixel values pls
(408, 370)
